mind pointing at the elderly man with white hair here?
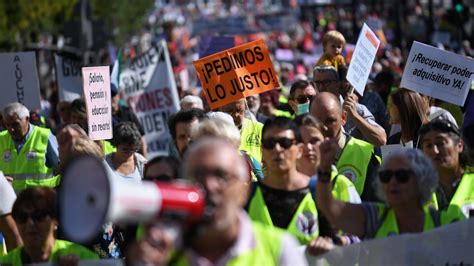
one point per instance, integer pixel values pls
(228, 237)
(29, 153)
(191, 101)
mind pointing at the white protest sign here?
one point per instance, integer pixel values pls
(362, 59)
(446, 245)
(69, 78)
(20, 79)
(98, 101)
(148, 86)
(437, 73)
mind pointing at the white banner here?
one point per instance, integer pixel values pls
(98, 101)
(69, 78)
(20, 79)
(448, 245)
(362, 59)
(148, 86)
(437, 73)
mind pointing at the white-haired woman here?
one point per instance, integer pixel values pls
(406, 182)
(220, 125)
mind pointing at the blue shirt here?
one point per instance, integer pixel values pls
(52, 154)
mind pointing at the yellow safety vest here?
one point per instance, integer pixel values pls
(341, 187)
(3, 246)
(28, 167)
(60, 248)
(354, 161)
(388, 222)
(304, 224)
(267, 250)
(463, 198)
(251, 138)
(282, 113)
(107, 147)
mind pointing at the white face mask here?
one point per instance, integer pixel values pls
(302, 108)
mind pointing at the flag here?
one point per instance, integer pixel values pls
(115, 76)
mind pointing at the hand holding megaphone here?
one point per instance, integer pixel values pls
(91, 194)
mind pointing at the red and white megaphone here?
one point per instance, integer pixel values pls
(91, 194)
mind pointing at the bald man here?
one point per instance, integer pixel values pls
(360, 122)
(356, 158)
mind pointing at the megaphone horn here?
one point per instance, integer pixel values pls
(92, 194)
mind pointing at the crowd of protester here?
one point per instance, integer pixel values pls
(299, 165)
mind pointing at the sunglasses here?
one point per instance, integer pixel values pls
(444, 126)
(36, 216)
(402, 175)
(304, 99)
(270, 143)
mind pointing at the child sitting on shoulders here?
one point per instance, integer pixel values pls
(333, 44)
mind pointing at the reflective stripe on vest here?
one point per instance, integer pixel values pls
(267, 249)
(304, 224)
(354, 162)
(28, 165)
(251, 138)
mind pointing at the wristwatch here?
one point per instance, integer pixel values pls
(324, 176)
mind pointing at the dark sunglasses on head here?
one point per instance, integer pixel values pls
(443, 126)
(402, 175)
(270, 143)
(36, 216)
(304, 99)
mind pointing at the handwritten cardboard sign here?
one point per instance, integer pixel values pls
(96, 87)
(236, 73)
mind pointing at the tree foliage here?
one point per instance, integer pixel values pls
(26, 19)
(124, 16)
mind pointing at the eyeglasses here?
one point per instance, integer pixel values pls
(304, 99)
(324, 82)
(199, 174)
(36, 216)
(270, 143)
(402, 175)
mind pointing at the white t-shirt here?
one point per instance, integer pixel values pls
(7, 196)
